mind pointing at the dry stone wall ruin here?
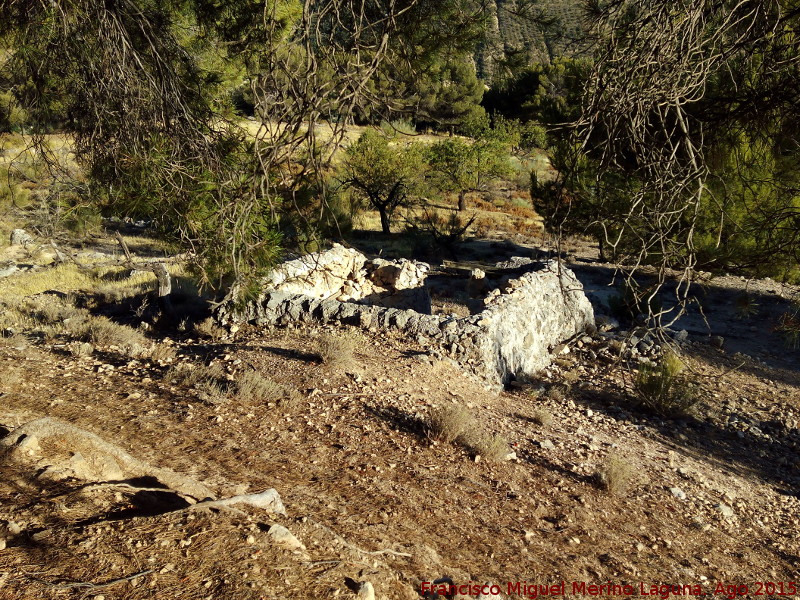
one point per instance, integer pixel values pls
(538, 307)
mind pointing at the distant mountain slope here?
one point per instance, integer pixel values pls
(517, 39)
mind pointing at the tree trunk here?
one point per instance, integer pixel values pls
(384, 220)
(462, 200)
(164, 288)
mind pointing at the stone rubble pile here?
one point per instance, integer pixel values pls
(346, 275)
(20, 237)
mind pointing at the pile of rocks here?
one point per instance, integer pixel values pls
(20, 237)
(346, 275)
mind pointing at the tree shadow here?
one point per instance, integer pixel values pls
(548, 466)
(400, 420)
(746, 321)
(748, 452)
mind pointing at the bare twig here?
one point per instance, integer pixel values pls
(89, 585)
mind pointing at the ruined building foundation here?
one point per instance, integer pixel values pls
(527, 309)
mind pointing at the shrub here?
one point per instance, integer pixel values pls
(398, 126)
(79, 349)
(443, 232)
(664, 388)
(449, 423)
(454, 424)
(557, 392)
(571, 377)
(633, 302)
(102, 331)
(789, 327)
(616, 475)
(49, 310)
(189, 374)
(745, 306)
(162, 353)
(13, 340)
(210, 382)
(335, 351)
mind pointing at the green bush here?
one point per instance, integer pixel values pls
(633, 301)
(665, 389)
(789, 327)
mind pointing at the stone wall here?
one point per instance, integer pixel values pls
(509, 339)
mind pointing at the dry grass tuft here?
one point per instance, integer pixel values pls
(210, 382)
(189, 374)
(209, 329)
(13, 340)
(664, 388)
(542, 416)
(48, 310)
(571, 377)
(454, 424)
(79, 349)
(489, 447)
(212, 391)
(335, 351)
(616, 476)
(557, 392)
(449, 423)
(252, 386)
(162, 353)
(102, 331)
(10, 378)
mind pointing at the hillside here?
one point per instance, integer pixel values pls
(544, 31)
(593, 488)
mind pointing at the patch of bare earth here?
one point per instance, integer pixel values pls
(373, 497)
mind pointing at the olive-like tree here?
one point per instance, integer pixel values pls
(383, 175)
(469, 165)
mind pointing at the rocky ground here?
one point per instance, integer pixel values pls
(374, 504)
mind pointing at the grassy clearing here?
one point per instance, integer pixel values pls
(56, 318)
(64, 278)
(112, 283)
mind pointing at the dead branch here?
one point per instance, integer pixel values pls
(89, 585)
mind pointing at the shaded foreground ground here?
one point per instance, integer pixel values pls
(712, 498)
